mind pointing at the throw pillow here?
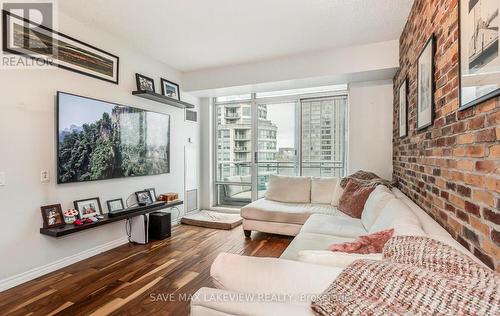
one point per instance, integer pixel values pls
(353, 198)
(323, 189)
(337, 194)
(289, 189)
(379, 288)
(375, 203)
(372, 243)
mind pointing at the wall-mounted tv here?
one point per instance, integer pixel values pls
(99, 140)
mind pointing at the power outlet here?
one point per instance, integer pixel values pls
(44, 176)
(3, 180)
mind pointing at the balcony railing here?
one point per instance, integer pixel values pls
(266, 168)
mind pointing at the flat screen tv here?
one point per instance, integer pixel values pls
(99, 140)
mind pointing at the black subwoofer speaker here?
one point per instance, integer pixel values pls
(159, 225)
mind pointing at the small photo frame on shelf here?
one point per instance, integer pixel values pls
(403, 110)
(88, 207)
(425, 85)
(144, 83)
(143, 197)
(115, 205)
(152, 194)
(170, 89)
(52, 216)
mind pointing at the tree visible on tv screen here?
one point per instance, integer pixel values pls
(96, 150)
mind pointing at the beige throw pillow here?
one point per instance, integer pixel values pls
(323, 189)
(289, 189)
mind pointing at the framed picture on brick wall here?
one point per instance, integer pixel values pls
(403, 110)
(425, 85)
(479, 58)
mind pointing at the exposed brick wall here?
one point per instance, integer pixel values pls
(451, 169)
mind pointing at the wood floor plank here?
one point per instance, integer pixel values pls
(128, 280)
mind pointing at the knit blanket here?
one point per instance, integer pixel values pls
(366, 178)
(418, 276)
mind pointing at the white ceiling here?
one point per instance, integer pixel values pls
(196, 34)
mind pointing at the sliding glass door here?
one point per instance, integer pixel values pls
(234, 150)
(258, 135)
(278, 136)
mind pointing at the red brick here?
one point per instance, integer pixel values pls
(485, 165)
(492, 216)
(474, 151)
(487, 135)
(495, 151)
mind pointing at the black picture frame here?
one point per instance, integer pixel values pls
(481, 99)
(405, 85)
(431, 41)
(140, 199)
(152, 194)
(140, 87)
(80, 214)
(58, 213)
(168, 82)
(110, 209)
(114, 78)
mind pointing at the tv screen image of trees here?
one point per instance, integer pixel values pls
(100, 140)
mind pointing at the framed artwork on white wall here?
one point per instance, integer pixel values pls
(403, 110)
(425, 85)
(479, 59)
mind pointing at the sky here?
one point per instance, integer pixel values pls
(74, 110)
(283, 115)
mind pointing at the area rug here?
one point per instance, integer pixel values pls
(212, 219)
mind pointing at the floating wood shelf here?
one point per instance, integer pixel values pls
(135, 211)
(150, 95)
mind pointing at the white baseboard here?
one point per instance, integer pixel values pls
(58, 264)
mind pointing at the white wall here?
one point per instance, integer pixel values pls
(206, 163)
(370, 127)
(374, 61)
(27, 146)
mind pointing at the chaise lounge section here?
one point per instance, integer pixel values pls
(289, 203)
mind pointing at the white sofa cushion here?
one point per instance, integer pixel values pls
(216, 302)
(289, 189)
(333, 225)
(431, 227)
(396, 214)
(292, 213)
(323, 189)
(337, 194)
(334, 259)
(376, 201)
(251, 275)
(311, 241)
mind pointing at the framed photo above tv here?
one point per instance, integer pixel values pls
(144, 83)
(170, 89)
(26, 38)
(479, 58)
(99, 140)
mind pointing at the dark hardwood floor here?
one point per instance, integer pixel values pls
(153, 279)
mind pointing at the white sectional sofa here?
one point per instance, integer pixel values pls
(286, 285)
